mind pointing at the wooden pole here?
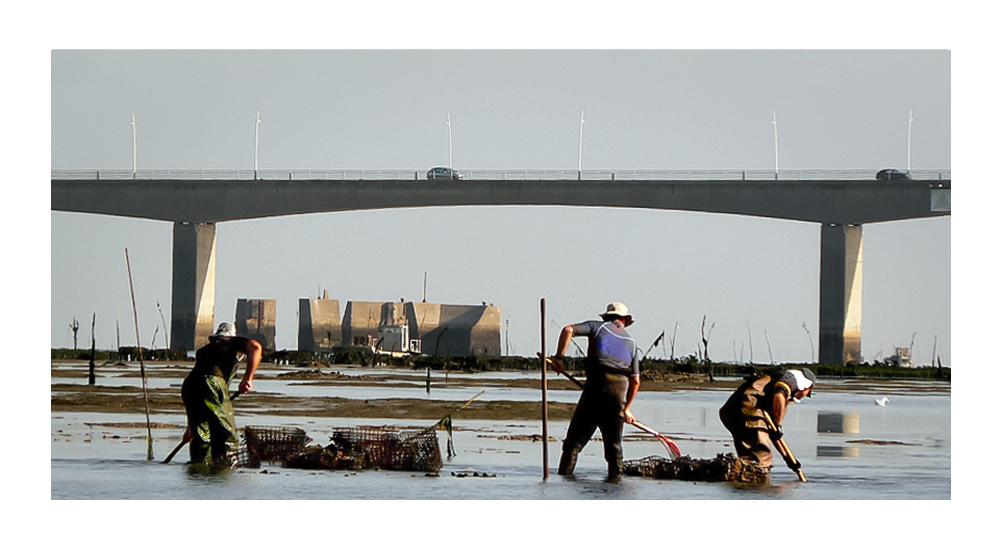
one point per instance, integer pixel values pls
(91, 377)
(142, 365)
(545, 402)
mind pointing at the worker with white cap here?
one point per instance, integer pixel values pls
(612, 369)
(744, 413)
(205, 391)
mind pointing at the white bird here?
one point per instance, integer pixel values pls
(882, 401)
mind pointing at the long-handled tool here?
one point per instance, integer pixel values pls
(672, 448)
(786, 452)
(187, 440)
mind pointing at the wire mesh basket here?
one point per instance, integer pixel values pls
(270, 444)
(352, 448)
(389, 448)
(724, 467)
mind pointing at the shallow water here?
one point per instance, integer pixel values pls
(904, 453)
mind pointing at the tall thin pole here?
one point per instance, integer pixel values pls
(774, 121)
(909, 135)
(450, 162)
(579, 165)
(545, 402)
(135, 157)
(92, 377)
(256, 144)
(142, 365)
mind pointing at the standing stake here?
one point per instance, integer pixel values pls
(545, 403)
(142, 366)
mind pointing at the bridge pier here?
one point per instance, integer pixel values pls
(840, 294)
(192, 304)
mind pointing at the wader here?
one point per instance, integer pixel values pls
(210, 419)
(743, 416)
(601, 406)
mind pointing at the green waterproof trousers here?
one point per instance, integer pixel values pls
(210, 420)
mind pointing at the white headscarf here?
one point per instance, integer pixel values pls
(801, 381)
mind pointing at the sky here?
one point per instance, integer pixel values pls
(754, 281)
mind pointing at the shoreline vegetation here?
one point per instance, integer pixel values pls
(654, 369)
(320, 376)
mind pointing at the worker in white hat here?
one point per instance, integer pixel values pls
(612, 369)
(771, 392)
(205, 391)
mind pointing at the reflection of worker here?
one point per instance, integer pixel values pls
(205, 391)
(743, 414)
(612, 367)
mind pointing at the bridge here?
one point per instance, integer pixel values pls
(841, 201)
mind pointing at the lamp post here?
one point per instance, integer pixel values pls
(256, 144)
(774, 121)
(134, 150)
(909, 135)
(579, 167)
(448, 123)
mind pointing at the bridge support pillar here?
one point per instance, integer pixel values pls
(840, 294)
(192, 304)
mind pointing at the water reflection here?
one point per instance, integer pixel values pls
(838, 422)
(837, 452)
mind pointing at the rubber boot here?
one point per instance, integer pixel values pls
(615, 469)
(567, 463)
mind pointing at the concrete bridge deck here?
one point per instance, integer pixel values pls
(228, 197)
(841, 201)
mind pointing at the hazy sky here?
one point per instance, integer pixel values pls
(756, 280)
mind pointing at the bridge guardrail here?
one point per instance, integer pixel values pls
(492, 174)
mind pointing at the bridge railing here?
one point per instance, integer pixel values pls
(493, 174)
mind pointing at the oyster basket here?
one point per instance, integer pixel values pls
(270, 444)
(389, 448)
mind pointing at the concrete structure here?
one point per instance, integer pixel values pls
(840, 294)
(445, 329)
(192, 304)
(434, 329)
(319, 324)
(195, 203)
(255, 319)
(360, 324)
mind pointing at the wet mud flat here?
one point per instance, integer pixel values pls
(110, 397)
(902, 450)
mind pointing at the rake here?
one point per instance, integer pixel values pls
(672, 448)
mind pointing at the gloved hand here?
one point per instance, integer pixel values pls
(777, 434)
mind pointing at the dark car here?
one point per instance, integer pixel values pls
(443, 173)
(891, 175)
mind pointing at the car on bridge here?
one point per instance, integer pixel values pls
(891, 175)
(436, 173)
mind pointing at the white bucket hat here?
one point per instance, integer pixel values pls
(226, 329)
(617, 309)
